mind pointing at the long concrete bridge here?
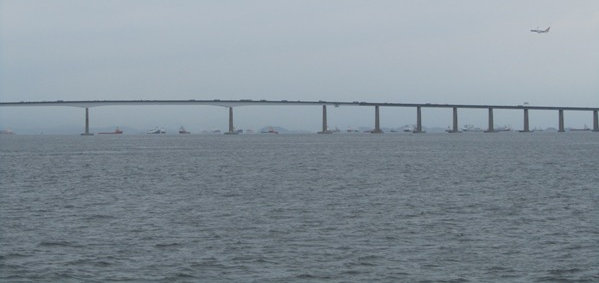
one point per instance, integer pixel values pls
(230, 104)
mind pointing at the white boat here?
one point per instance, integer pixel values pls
(270, 130)
(503, 129)
(156, 131)
(586, 128)
(471, 128)
(408, 128)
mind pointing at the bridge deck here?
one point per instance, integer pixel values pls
(247, 102)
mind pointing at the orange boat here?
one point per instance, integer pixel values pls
(117, 131)
(270, 131)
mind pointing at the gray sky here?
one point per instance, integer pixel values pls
(473, 52)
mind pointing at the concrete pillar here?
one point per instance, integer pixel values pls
(561, 121)
(231, 127)
(377, 125)
(490, 129)
(418, 120)
(455, 129)
(595, 121)
(325, 127)
(526, 125)
(87, 133)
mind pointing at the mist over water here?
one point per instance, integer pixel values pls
(348, 207)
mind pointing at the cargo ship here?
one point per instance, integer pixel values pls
(117, 131)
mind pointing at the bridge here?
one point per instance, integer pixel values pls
(230, 104)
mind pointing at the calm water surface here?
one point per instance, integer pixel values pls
(393, 208)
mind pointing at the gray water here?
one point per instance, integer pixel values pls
(394, 208)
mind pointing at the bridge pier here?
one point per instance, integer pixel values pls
(526, 125)
(595, 121)
(231, 127)
(87, 133)
(561, 121)
(325, 127)
(377, 124)
(418, 129)
(454, 129)
(490, 128)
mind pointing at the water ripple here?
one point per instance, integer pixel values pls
(254, 208)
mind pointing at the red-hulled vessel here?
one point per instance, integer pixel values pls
(117, 131)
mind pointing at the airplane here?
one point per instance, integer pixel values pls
(537, 30)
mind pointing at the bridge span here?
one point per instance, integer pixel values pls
(230, 104)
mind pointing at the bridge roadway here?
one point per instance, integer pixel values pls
(247, 102)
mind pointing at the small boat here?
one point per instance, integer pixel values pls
(471, 128)
(586, 128)
(156, 131)
(183, 131)
(270, 131)
(7, 132)
(450, 130)
(117, 131)
(503, 129)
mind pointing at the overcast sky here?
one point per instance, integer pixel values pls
(470, 51)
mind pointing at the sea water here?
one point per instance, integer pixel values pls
(468, 207)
